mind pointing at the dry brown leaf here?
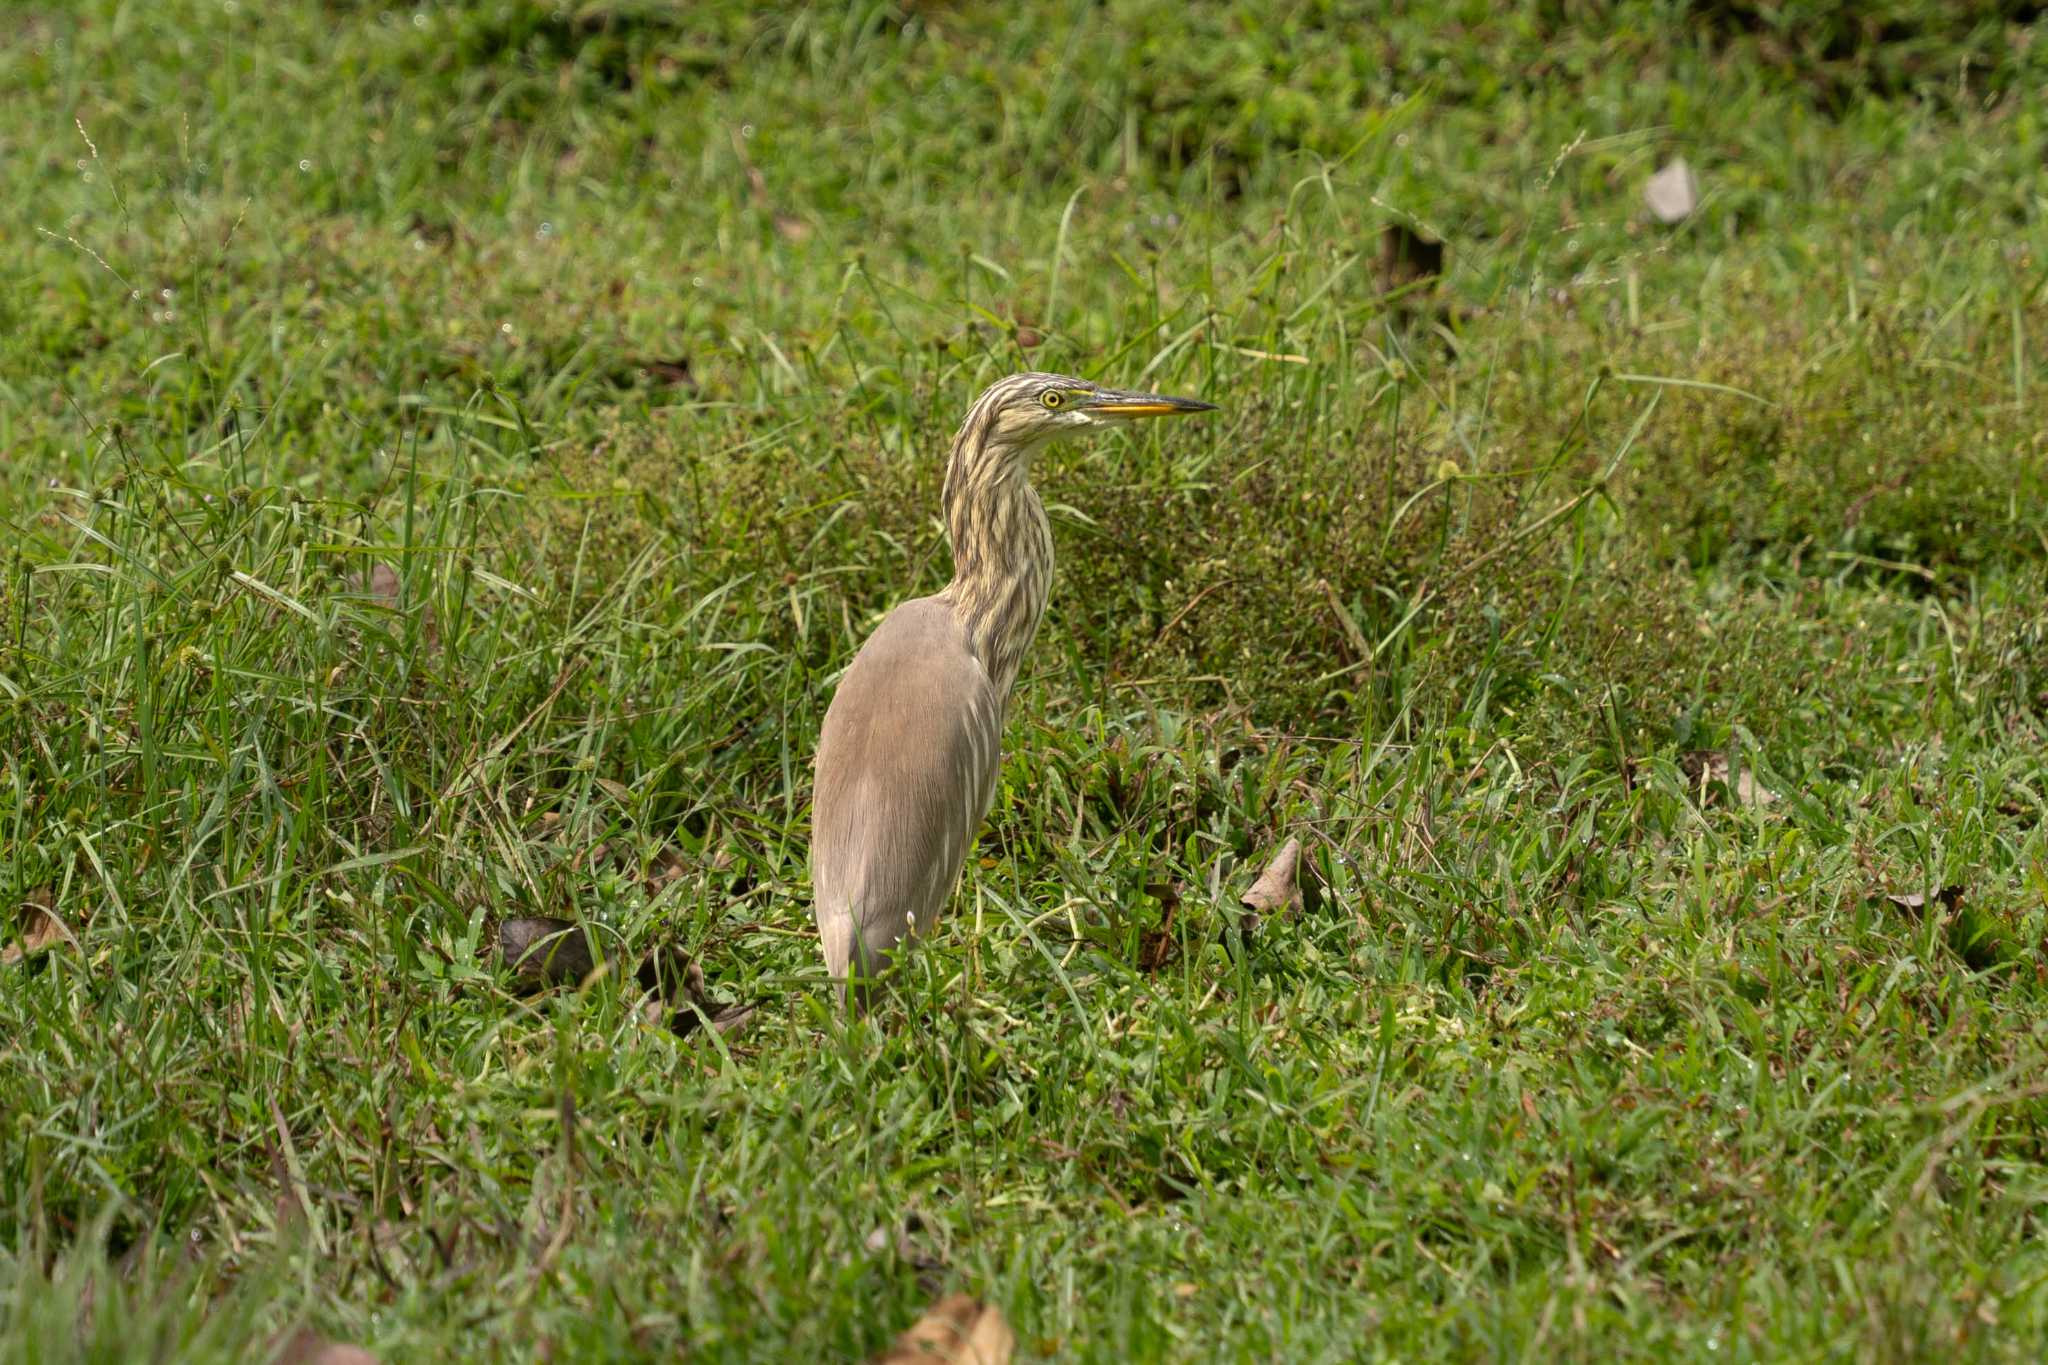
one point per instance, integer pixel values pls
(665, 871)
(37, 928)
(676, 372)
(541, 950)
(1407, 257)
(1948, 898)
(674, 982)
(671, 975)
(1155, 946)
(308, 1347)
(957, 1330)
(732, 1022)
(1275, 889)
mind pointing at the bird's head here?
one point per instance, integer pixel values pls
(1027, 409)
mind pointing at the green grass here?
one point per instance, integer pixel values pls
(631, 335)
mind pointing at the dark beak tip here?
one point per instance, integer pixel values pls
(1152, 405)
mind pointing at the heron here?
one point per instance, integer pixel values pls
(908, 755)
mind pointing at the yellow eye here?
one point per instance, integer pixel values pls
(1053, 398)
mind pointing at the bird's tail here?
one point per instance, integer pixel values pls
(851, 960)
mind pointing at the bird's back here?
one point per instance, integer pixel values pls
(906, 764)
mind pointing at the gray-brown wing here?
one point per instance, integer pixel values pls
(907, 762)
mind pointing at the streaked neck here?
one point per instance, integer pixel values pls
(1002, 552)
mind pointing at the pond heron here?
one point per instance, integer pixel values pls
(908, 755)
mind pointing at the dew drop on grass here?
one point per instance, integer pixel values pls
(419, 20)
(305, 165)
(746, 130)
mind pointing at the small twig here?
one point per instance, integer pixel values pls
(1182, 614)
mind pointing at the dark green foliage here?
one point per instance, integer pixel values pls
(446, 455)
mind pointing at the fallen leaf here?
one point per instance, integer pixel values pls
(1407, 257)
(670, 975)
(37, 928)
(308, 1347)
(1673, 192)
(1948, 898)
(957, 1330)
(733, 1020)
(675, 984)
(1155, 946)
(665, 871)
(541, 950)
(676, 372)
(1275, 888)
(1977, 936)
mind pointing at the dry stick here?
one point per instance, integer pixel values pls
(297, 1172)
(1360, 650)
(1193, 602)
